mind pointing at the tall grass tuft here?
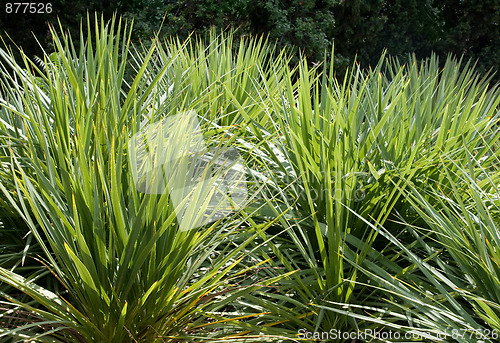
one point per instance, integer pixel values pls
(372, 203)
(126, 269)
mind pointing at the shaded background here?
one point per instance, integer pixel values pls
(361, 28)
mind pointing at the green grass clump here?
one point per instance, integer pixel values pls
(372, 203)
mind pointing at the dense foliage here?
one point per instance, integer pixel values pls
(361, 29)
(373, 200)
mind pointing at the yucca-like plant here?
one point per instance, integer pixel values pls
(132, 262)
(339, 158)
(353, 176)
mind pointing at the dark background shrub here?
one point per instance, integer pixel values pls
(360, 29)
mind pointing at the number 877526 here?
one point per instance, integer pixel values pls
(28, 7)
